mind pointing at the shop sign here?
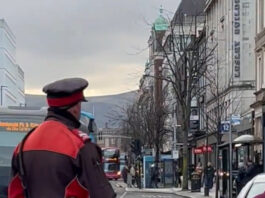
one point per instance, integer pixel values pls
(197, 151)
(202, 149)
(236, 41)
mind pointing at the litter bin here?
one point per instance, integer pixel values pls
(195, 182)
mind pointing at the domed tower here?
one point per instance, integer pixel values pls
(158, 30)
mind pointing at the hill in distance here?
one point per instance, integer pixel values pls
(103, 106)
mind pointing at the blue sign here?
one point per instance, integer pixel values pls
(225, 126)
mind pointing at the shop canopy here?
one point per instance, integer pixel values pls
(243, 140)
(247, 139)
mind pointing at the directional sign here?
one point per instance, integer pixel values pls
(225, 126)
(235, 120)
(175, 154)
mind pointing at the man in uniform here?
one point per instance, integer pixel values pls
(57, 160)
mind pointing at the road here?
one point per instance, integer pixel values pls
(119, 188)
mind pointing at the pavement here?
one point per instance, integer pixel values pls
(175, 191)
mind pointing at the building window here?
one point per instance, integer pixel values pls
(112, 141)
(246, 5)
(259, 73)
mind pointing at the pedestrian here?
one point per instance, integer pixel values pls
(124, 173)
(132, 173)
(129, 177)
(199, 169)
(177, 176)
(154, 177)
(241, 177)
(56, 159)
(252, 170)
(208, 176)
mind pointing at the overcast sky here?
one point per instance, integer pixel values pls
(95, 39)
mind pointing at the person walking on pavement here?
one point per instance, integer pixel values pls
(132, 173)
(241, 177)
(129, 177)
(56, 159)
(124, 173)
(208, 176)
(154, 177)
(177, 176)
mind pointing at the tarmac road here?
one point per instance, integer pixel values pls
(119, 187)
(148, 195)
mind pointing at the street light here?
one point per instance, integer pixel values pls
(1, 90)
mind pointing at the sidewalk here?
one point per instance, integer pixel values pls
(176, 191)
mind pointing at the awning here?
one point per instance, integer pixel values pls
(247, 139)
(243, 139)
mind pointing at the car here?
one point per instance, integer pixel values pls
(255, 188)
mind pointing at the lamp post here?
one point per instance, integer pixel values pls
(1, 90)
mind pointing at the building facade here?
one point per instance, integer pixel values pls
(12, 91)
(258, 105)
(231, 29)
(113, 137)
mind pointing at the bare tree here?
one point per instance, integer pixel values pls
(143, 121)
(217, 107)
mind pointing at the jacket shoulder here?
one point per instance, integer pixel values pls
(55, 137)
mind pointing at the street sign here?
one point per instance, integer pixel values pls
(235, 120)
(225, 126)
(175, 154)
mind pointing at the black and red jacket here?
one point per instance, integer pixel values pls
(59, 162)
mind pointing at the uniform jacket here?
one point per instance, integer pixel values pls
(59, 161)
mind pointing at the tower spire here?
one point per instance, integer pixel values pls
(161, 10)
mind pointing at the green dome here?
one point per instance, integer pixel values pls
(161, 22)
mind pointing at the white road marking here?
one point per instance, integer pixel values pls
(123, 195)
(156, 196)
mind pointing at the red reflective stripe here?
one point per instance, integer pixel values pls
(56, 102)
(15, 189)
(75, 189)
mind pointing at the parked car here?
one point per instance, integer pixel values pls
(255, 188)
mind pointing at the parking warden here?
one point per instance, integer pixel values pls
(56, 160)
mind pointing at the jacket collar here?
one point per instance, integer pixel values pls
(63, 116)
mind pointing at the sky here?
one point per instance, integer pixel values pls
(103, 41)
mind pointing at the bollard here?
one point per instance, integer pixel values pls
(206, 191)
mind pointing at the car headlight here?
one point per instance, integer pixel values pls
(119, 173)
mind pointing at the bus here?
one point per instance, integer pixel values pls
(15, 122)
(111, 162)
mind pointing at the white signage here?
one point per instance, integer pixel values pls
(175, 154)
(236, 42)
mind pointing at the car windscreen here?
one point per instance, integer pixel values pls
(256, 189)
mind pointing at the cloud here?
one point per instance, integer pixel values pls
(86, 38)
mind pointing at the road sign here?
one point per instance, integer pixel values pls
(225, 126)
(175, 154)
(235, 120)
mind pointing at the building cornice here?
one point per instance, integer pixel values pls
(230, 88)
(257, 104)
(259, 91)
(208, 4)
(260, 40)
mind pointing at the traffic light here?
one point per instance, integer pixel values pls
(136, 146)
